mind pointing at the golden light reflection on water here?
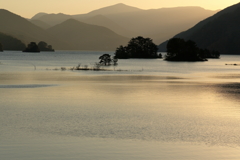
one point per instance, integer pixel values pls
(128, 107)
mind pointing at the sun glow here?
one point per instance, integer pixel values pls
(28, 8)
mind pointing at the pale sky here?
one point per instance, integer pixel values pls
(28, 8)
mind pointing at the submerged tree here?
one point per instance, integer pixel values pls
(106, 60)
(138, 47)
(32, 47)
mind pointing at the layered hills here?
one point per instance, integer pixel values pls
(161, 23)
(220, 32)
(157, 24)
(40, 24)
(69, 35)
(20, 28)
(103, 21)
(84, 36)
(108, 27)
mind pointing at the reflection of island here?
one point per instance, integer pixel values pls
(42, 46)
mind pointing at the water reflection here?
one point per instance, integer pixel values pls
(170, 111)
(152, 108)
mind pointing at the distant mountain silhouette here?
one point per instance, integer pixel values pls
(38, 15)
(54, 19)
(84, 36)
(158, 24)
(40, 24)
(103, 21)
(94, 17)
(11, 43)
(114, 9)
(161, 23)
(22, 29)
(220, 32)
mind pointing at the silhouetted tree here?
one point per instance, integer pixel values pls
(106, 59)
(32, 47)
(43, 46)
(138, 47)
(1, 47)
(160, 55)
(180, 50)
(115, 60)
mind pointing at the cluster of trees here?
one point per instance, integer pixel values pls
(180, 50)
(32, 47)
(41, 46)
(138, 47)
(107, 60)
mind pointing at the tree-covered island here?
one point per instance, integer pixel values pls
(138, 47)
(41, 46)
(180, 50)
(32, 47)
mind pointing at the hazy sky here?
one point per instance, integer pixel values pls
(28, 8)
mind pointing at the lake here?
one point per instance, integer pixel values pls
(139, 109)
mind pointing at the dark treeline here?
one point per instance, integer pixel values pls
(180, 50)
(41, 46)
(32, 47)
(11, 43)
(138, 47)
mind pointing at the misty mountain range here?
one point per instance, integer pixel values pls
(102, 29)
(128, 21)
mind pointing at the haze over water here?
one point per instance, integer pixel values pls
(152, 109)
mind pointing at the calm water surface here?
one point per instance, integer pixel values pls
(151, 109)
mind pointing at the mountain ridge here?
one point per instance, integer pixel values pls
(84, 36)
(22, 29)
(219, 32)
(157, 24)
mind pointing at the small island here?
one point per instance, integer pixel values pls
(32, 47)
(138, 47)
(180, 50)
(41, 46)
